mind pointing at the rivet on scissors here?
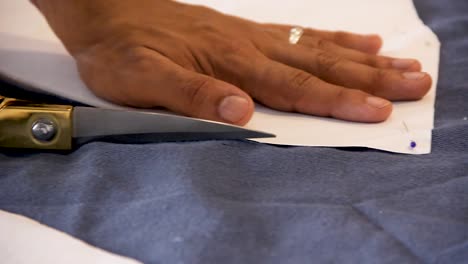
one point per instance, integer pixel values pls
(44, 130)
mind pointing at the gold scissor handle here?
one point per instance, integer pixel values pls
(25, 124)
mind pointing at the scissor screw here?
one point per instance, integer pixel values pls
(44, 130)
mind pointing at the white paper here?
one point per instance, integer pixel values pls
(25, 241)
(31, 55)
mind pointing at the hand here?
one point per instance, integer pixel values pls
(201, 63)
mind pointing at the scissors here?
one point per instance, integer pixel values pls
(27, 124)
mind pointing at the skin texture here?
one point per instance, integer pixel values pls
(201, 63)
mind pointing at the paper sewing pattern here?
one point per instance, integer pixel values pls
(31, 55)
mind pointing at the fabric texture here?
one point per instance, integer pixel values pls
(244, 202)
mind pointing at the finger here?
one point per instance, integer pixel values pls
(389, 84)
(359, 56)
(288, 89)
(151, 80)
(365, 43)
(352, 54)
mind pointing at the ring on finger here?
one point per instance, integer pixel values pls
(295, 35)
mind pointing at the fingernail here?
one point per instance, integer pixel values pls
(233, 108)
(377, 102)
(414, 75)
(403, 63)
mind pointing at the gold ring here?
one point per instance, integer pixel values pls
(295, 35)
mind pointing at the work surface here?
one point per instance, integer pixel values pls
(244, 202)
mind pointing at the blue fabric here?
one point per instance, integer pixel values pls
(242, 202)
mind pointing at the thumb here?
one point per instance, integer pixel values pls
(156, 81)
(204, 97)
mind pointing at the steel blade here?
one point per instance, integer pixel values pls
(97, 122)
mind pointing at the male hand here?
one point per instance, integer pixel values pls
(201, 63)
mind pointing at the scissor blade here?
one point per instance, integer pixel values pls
(97, 122)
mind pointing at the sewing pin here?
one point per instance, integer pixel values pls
(413, 143)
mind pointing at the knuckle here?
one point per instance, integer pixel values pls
(372, 61)
(323, 44)
(327, 63)
(299, 85)
(378, 62)
(338, 98)
(220, 42)
(341, 37)
(229, 57)
(195, 91)
(232, 47)
(379, 79)
(299, 80)
(381, 75)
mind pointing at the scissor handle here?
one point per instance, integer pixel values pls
(25, 124)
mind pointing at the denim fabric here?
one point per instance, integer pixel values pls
(243, 202)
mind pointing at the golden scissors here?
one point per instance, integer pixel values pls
(26, 124)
